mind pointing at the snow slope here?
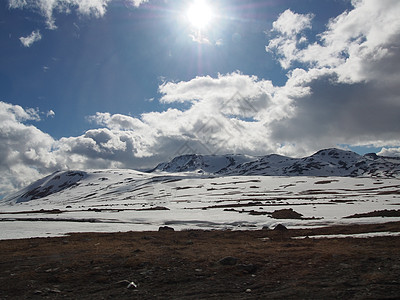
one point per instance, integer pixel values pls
(124, 200)
(48, 185)
(205, 197)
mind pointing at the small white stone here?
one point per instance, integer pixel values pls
(132, 285)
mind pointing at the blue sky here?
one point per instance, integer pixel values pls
(130, 83)
(116, 62)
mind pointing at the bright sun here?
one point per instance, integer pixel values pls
(199, 14)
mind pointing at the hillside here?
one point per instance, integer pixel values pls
(210, 192)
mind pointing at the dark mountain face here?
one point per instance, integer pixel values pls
(51, 184)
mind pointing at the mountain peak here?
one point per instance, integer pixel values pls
(335, 152)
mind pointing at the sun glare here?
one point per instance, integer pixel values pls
(199, 14)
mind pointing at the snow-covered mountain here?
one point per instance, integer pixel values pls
(327, 162)
(78, 185)
(51, 184)
(198, 192)
(218, 164)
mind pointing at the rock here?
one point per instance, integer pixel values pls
(286, 214)
(280, 227)
(228, 261)
(156, 208)
(248, 268)
(165, 228)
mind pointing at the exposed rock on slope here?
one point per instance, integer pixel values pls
(48, 185)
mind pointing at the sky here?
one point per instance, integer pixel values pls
(131, 83)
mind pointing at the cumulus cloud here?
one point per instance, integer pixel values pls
(116, 121)
(347, 91)
(197, 38)
(96, 8)
(290, 27)
(291, 24)
(230, 97)
(351, 43)
(25, 151)
(47, 8)
(50, 113)
(30, 39)
(137, 2)
(392, 152)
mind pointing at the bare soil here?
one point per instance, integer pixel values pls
(194, 264)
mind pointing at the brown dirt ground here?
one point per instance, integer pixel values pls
(185, 265)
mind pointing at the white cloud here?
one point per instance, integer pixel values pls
(212, 123)
(352, 44)
(25, 151)
(96, 8)
(137, 2)
(30, 39)
(47, 8)
(198, 38)
(50, 113)
(393, 152)
(290, 26)
(348, 89)
(219, 42)
(16, 113)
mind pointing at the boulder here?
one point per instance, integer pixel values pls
(287, 213)
(280, 227)
(228, 261)
(165, 228)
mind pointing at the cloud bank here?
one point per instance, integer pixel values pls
(25, 151)
(350, 77)
(344, 90)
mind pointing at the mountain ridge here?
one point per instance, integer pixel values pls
(326, 162)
